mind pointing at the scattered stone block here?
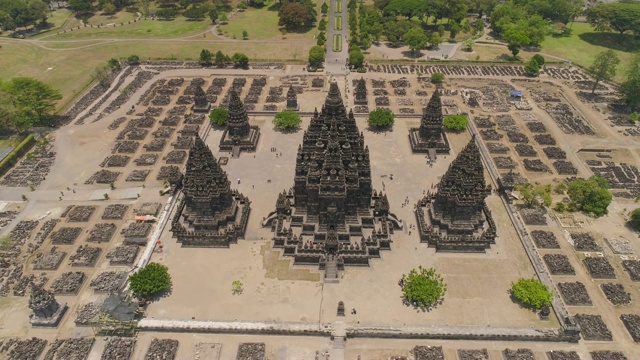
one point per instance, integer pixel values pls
(574, 294)
(81, 213)
(66, 235)
(482, 354)
(607, 355)
(162, 349)
(593, 328)
(599, 268)
(632, 324)
(428, 353)
(108, 281)
(251, 351)
(118, 348)
(563, 355)
(49, 260)
(584, 242)
(123, 255)
(86, 312)
(616, 294)
(68, 283)
(23, 349)
(558, 264)
(70, 349)
(545, 239)
(633, 268)
(102, 233)
(86, 256)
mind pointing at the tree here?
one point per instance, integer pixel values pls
(618, 16)
(535, 196)
(468, 45)
(151, 280)
(423, 287)
(245, 35)
(166, 13)
(539, 59)
(603, 67)
(532, 292)
(415, 39)
(381, 118)
(213, 15)
(218, 116)
(437, 78)
(287, 119)
(324, 8)
(80, 6)
(133, 60)
(296, 16)
(32, 100)
(532, 68)
(220, 59)
(634, 219)
(591, 195)
(205, 57)
(515, 49)
(321, 39)
(356, 58)
(113, 63)
(237, 287)
(454, 29)
(630, 87)
(322, 25)
(316, 56)
(455, 123)
(195, 13)
(240, 60)
(109, 8)
(223, 18)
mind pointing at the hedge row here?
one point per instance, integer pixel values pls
(17, 153)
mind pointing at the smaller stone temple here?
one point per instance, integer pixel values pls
(360, 92)
(239, 135)
(200, 101)
(456, 217)
(46, 309)
(209, 213)
(292, 99)
(430, 137)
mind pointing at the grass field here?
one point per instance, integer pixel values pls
(261, 23)
(337, 43)
(69, 70)
(140, 29)
(585, 43)
(338, 23)
(338, 6)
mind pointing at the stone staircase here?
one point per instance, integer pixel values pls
(331, 271)
(350, 219)
(235, 152)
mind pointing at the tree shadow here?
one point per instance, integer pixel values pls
(379, 130)
(412, 54)
(274, 7)
(620, 42)
(287, 131)
(419, 308)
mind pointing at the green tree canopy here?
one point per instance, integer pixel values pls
(532, 68)
(205, 57)
(630, 87)
(539, 59)
(635, 218)
(218, 116)
(381, 118)
(133, 60)
(437, 78)
(29, 101)
(423, 287)
(603, 67)
(535, 195)
(324, 8)
(296, 16)
(287, 119)
(356, 58)
(591, 195)
(151, 280)
(213, 15)
(455, 122)
(240, 60)
(616, 16)
(415, 38)
(316, 56)
(532, 292)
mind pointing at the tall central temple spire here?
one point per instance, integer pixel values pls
(330, 216)
(456, 217)
(210, 214)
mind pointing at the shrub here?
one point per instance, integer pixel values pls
(455, 123)
(539, 59)
(532, 292)
(133, 60)
(381, 118)
(532, 68)
(437, 78)
(150, 280)
(635, 218)
(423, 287)
(287, 119)
(218, 116)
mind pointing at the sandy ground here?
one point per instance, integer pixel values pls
(276, 291)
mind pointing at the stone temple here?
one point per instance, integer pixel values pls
(210, 213)
(332, 217)
(238, 136)
(456, 216)
(46, 309)
(429, 136)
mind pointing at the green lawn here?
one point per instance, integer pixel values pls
(142, 28)
(11, 141)
(338, 6)
(338, 23)
(337, 43)
(260, 23)
(585, 43)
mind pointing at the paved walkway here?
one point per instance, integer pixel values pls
(336, 62)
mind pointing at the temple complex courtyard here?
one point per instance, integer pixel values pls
(112, 184)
